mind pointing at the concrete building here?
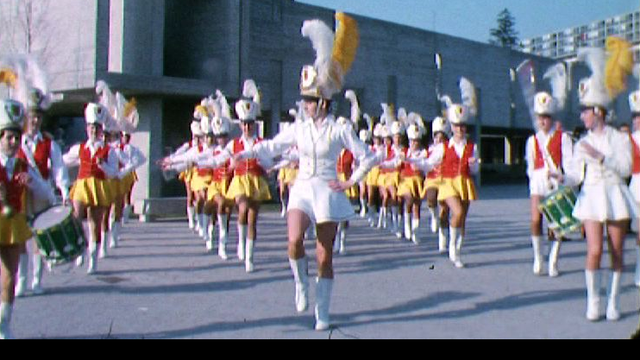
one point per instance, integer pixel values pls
(170, 53)
(564, 44)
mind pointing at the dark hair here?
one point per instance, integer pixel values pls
(15, 129)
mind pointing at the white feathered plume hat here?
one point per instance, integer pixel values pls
(221, 121)
(248, 108)
(128, 116)
(416, 128)
(356, 114)
(549, 104)
(202, 116)
(592, 91)
(440, 124)
(399, 125)
(386, 119)
(461, 113)
(366, 133)
(335, 54)
(27, 81)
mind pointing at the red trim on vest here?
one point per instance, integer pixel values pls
(89, 165)
(452, 165)
(636, 156)
(345, 163)
(554, 148)
(406, 169)
(249, 166)
(13, 189)
(40, 156)
(436, 172)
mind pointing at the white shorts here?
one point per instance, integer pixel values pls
(316, 199)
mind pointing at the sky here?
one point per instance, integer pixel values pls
(472, 19)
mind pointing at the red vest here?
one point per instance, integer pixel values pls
(345, 163)
(636, 156)
(41, 157)
(203, 171)
(14, 190)
(436, 172)
(390, 155)
(221, 172)
(406, 169)
(89, 165)
(554, 148)
(452, 165)
(249, 166)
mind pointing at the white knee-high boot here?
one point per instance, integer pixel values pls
(23, 272)
(6, 310)
(222, 236)
(613, 313)
(536, 243)
(114, 234)
(407, 225)
(434, 219)
(93, 258)
(382, 218)
(248, 262)
(300, 269)
(36, 283)
(324, 287)
(455, 243)
(395, 225)
(592, 279)
(363, 208)
(415, 225)
(103, 244)
(242, 237)
(553, 258)
(191, 217)
(443, 236)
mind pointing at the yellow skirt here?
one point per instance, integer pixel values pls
(411, 186)
(218, 188)
(372, 176)
(431, 184)
(255, 188)
(92, 192)
(462, 187)
(116, 186)
(389, 179)
(287, 175)
(128, 181)
(186, 175)
(14, 230)
(199, 182)
(352, 192)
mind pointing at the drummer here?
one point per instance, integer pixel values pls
(90, 194)
(16, 178)
(44, 155)
(602, 161)
(546, 152)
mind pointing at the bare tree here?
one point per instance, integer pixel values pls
(26, 27)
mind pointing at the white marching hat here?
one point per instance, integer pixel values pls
(634, 102)
(248, 109)
(96, 114)
(458, 114)
(439, 124)
(11, 115)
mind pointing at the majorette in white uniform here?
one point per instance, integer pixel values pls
(634, 186)
(546, 153)
(320, 140)
(365, 135)
(602, 160)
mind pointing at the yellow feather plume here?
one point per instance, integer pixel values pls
(9, 77)
(619, 65)
(346, 41)
(130, 107)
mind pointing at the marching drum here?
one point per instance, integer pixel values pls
(558, 209)
(59, 235)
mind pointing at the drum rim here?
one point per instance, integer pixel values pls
(38, 214)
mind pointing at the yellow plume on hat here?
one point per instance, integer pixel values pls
(130, 107)
(346, 41)
(619, 65)
(9, 77)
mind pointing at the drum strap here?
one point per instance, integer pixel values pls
(548, 160)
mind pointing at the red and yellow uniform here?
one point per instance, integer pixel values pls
(248, 177)
(456, 173)
(14, 230)
(91, 187)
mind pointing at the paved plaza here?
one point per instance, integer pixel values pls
(161, 283)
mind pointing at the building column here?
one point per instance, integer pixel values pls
(148, 138)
